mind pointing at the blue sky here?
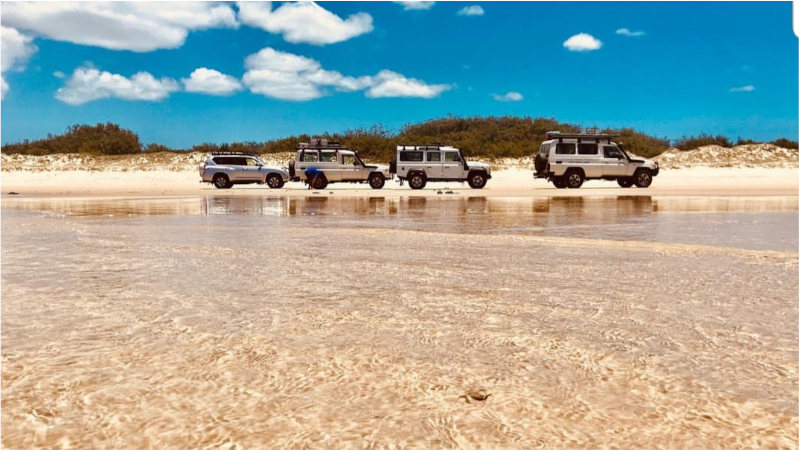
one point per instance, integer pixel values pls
(273, 70)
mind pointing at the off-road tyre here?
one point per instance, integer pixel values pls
(573, 179)
(221, 181)
(477, 179)
(643, 178)
(625, 182)
(376, 181)
(417, 181)
(274, 181)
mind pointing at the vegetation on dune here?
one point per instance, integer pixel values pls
(492, 137)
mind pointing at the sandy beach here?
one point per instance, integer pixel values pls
(511, 182)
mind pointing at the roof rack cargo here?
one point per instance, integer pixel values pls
(320, 143)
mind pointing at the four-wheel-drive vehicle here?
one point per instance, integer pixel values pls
(569, 159)
(320, 162)
(420, 164)
(224, 169)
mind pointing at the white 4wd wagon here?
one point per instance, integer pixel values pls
(567, 160)
(420, 164)
(321, 162)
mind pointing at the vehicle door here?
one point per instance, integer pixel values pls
(433, 163)
(306, 159)
(589, 159)
(330, 164)
(410, 160)
(614, 162)
(351, 169)
(253, 171)
(238, 167)
(452, 166)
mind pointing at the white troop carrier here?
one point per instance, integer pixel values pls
(567, 160)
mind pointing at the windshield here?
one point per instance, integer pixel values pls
(622, 150)
(358, 160)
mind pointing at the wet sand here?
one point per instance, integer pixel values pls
(330, 323)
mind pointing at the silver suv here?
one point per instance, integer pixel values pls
(567, 160)
(224, 169)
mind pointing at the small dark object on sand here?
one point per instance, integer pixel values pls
(13, 193)
(438, 192)
(476, 394)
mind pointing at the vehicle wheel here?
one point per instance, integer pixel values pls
(221, 181)
(573, 179)
(643, 178)
(625, 182)
(274, 181)
(417, 181)
(319, 181)
(477, 180)
(559, 182)
(376, 181)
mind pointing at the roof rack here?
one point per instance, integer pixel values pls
(221, 152)
(421, 147)
(588, 137)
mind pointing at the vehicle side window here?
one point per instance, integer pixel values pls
(328, 156)
(310, 156)
(239, 161)
(411, 156)
(252, 162)
(587, 149)
(451, 157)
(221, 160)
(434, 156)
(349, 160)
(610, 151)
(563, 148)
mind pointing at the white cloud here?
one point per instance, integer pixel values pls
(508, 97)
(292, 77)
(135, 26)
(304, 22)
(59, 74)
(627, 32)
(15, 49)
(392, 84)
(210, 81)
(474, 10)
(416, 5)
(745, 88)
(87, 84)
(582, 42)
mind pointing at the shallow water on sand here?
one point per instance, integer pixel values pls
(322, 322)
(752, 223)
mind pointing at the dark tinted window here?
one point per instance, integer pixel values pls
(411, 156)
(221, 160)
(451, 157)
(611, 151)
(563, 148)
(587, 149)
(434, 156)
